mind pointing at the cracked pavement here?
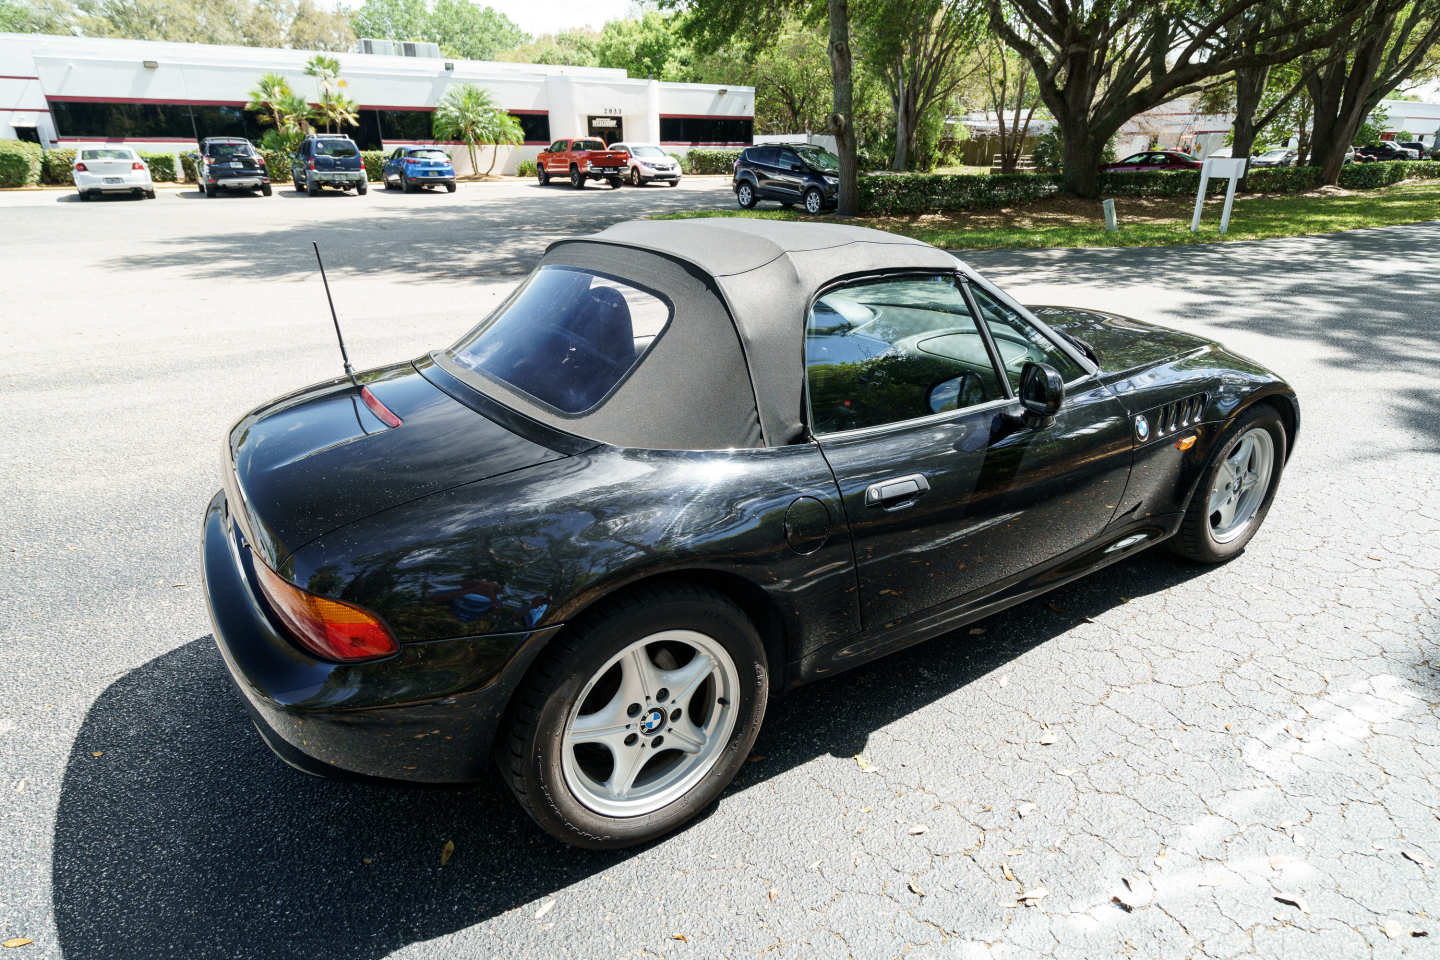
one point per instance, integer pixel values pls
(1167, 760)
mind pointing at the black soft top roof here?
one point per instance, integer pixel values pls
(767, 272)
(729, 370)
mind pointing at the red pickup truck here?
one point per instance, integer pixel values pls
(581, 160)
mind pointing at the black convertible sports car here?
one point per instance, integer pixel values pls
(687, 465)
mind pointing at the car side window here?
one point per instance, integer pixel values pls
(1019, 342)
(896, 349)
(788, 159)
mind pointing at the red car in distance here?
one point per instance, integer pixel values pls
(1153, 160)
(579, 160)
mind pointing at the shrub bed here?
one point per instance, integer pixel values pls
(188, 162)
(1364, 176)
(277, 164)
(374, 165)
(56, 167)
(711, 161)
(162, 166)
(20, 163)
(525, 168)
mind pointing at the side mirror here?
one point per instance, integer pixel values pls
(1042, 390)
(796, 168)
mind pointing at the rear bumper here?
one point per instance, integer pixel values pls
(428, 714)
(605, 173)
(239, 181)
(351, 177)
(127, 182)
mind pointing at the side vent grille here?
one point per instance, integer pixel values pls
(1179, 414)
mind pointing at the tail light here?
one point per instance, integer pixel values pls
(81, 168)
(311, 164)
(137, 165)
(327, 628)
(209, 160)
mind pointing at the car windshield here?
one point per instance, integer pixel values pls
(106, 155)
(335, 148)
(567, 337)
(647, 152)
(588, 145)
(228, 149)
(818, 158)
(429, 154)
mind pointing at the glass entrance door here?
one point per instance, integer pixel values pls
(609, 129)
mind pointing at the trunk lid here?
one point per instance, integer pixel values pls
(606, 158)
(1121, 343)
(318, 459)
(108, 167)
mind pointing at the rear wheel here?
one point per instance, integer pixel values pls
(745, 195)
(637, 718)
(311, 187)
(577, 179)
(264, 189)
(150, 194)
(1234, 494)
(362, 188)
(210, 190)
(615, 183)
(84, 196)
(450, 186)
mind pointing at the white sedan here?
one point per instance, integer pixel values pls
(649, 163)
(111, 170)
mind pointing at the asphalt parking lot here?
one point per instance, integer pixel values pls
(1173, 761)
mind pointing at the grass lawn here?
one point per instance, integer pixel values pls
(1070, 222)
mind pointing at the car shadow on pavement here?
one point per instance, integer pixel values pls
(179, 834)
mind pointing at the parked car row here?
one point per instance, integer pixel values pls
(581, 160)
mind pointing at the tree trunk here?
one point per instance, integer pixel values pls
(474, 162)
(1249, 88)
(494, 153)
(898, 97)
(1081, 158)
(842, 125)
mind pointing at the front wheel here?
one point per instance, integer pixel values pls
(637, 718)
(543, 176)
(745, 195)
(1234, 494)
(635, 180)
(814, 202)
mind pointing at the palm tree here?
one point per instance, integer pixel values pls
(279, 105)
(334, 108)
(470, 115)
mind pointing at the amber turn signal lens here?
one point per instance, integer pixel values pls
(327, 628)
(1185, 443)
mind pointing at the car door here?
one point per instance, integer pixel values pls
(948, 493)
(1131, 163)
(789, 177)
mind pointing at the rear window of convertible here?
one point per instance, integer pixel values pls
(567, 338)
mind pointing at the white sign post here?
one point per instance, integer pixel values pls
(1218, 167)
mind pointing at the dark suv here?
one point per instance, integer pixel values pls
(1384, 150)
(231, 163)
(328, 160)
(791, 173)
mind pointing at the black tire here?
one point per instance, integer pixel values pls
(406, 185)
(528, 752)
(388, 184)
(210, 191)
(362, 188)
(542, 175)
(577, 179)
(635, 179)
(450, 187)
(1195, 541)
(745, 194)
(150, 194)
(616, 183)
(675, 182)
(265, 190)
(311, 187)
(814, 201)
(84, 196)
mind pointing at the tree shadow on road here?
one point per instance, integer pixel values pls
(179, 834)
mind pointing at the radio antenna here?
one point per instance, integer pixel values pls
(349, 370)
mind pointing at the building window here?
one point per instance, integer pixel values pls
(698, 130)
(155, 121)
(535, 125)
(406, 124)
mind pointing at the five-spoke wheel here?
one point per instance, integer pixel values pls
(1234, 492)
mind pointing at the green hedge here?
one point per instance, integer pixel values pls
(905, 193)
(525, 168)
(1363, 176)
(57, 168)
(20, 163)
(162, 166)
(277, 164)
(188, 163)
(374, 165)
(711, 161)
(900, 194)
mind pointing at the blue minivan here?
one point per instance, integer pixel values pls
(410, 168)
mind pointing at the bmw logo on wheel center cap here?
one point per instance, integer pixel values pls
(652, 721)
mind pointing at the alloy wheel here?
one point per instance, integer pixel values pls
(650, 723)
(1240, 484)
(812, 202)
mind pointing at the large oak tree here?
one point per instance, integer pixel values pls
(1098, 63)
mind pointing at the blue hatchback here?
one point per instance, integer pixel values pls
(410, 168)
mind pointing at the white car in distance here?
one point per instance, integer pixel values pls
(649, 163)
(100, 170)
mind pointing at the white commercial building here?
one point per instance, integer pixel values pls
(68, 91)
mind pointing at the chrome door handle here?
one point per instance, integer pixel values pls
(897, 491)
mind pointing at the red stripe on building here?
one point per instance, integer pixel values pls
(162, 102)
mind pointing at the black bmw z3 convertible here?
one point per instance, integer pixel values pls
(685, 466)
